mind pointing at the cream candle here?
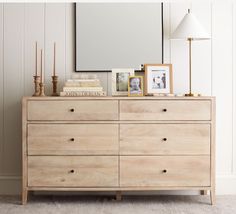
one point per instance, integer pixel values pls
(54, 60)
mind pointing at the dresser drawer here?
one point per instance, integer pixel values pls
(165, 139)
(73, 171)
(73, 139)
(165, 110)
(164, 171)
(73, 110)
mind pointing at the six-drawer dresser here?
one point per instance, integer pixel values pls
(118, 144)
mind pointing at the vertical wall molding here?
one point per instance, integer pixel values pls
(13, 85)
(234, 86)
(1, 87)
(222, 83)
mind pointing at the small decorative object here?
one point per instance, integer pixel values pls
(135, 86)
(54, 77)
(36, 77)
(41, 84)
(190, 29)
(158, 79)
(120, 78)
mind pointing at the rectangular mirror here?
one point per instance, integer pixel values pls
(118, 35)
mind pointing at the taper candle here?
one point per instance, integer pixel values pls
(41, 71)
(36, 60)
(54, 60)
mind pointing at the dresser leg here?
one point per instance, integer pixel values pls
(118, 196)
(212, 195)
(203, 192)
(24, 196)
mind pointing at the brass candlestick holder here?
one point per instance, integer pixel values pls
(41, 93)
(36, 86)
(54, 85)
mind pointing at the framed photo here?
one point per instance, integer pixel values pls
(120, 79)
(135, 86)
(158, 79)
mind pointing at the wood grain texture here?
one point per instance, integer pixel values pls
(165, 139)
(88, 171)
(82, 110)
(149, 171)
(73, 139)
(24, 152)
(165, 110)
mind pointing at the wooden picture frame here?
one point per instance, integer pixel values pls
(135, 86)
(120, 78)
(158, 79)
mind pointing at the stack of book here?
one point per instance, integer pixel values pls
(83, 85)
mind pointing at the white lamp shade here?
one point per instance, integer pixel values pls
(190, 28)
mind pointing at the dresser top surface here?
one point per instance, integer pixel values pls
(121, 98)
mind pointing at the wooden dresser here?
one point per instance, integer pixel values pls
(118, 144)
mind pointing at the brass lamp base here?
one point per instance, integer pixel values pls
(192, 95)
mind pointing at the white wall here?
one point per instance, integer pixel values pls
(213, 72)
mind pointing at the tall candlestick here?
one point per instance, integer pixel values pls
(36, 60)
(41, 71)
(54, 60)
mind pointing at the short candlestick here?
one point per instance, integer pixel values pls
(36, 86)
(54, 85)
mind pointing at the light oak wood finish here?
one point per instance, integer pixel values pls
(165, 110)
(164, 171)
(118, 144)
(165, 139)
(73, 171)
(74, 110)
(73, 139)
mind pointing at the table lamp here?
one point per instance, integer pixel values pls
(190, 29)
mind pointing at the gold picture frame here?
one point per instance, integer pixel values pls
(158, 79)
(135, 86)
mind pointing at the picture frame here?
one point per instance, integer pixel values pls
(120, 78)
(135, 86)
(158, 79)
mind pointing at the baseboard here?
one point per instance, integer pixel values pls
(10, 185)
(225, 185)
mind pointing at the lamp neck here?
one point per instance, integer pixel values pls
(190, 65)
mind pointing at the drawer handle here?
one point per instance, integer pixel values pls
(72, 171)
(72, 139)
(164, 110)
(164, 171)
(164, 139)
(72, 110)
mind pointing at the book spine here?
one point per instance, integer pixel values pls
(82, 89)
(82, 94)
(82, 84)
(83, 80)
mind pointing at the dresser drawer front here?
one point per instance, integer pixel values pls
(73, 139)
(149, 171)
(165, 139)
(72, 171)
(73, 110)
(165, 110)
